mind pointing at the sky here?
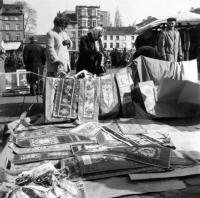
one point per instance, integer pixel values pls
(131, 11)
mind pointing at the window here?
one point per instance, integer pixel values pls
(132, 37)
(17, 26)
(105, 37)
(111, 37)
(94, 23)
(117, 37)
(7, 26)
(73, 34)
(16, 18)
(6, 18)
(83, 23)
(94, 12)
(111, 45)
(117, 45)
(83, 12)
(133, 45)
(18, 37)
(7, 37)
(105, 45)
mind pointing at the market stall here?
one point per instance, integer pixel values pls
(13, 77)
(98, 137)
(187, 23)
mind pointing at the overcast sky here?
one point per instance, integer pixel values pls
(131, 10)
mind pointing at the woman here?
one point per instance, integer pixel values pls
(58, 43)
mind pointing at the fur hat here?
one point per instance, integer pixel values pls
(32, 38)
(171, 19)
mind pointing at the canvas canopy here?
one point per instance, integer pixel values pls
(183, 18)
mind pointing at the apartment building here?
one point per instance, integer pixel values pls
(87, 17)
(119, 37)
(12, 22)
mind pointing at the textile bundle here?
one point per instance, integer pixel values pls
(51, 160)
(114, 95)
(89, 99)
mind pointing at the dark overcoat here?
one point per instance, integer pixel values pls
(88, 54)
(34, 58)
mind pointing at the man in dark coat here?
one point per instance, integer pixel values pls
(91, 52)
(34, 60)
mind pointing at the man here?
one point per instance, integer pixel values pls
(34, 60)
(170, 43)
(58, 43)
(91, 52)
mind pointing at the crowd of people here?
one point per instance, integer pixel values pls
(164, 45)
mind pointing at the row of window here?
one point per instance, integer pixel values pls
(17, 37)
(7, 26)
(116, 45)
(11, 18)
(111, 45)
(85, 12)
(117, 37)
(85, 23)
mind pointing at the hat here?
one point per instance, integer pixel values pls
(97, 29)
(171, 19)
(32, 38)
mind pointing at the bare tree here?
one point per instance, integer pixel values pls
(30, 17)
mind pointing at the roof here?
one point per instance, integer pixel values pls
(196, 10)
(120, 30)
(187, 19)
(85, 6)
(12, 9)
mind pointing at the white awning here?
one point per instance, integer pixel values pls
(185, 18)
(10, 45)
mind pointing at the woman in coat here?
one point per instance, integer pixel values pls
(58, 43)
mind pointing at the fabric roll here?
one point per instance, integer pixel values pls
(50, 90)
(35, 157)
(88, 106)
(125, 86)
(51, 140)
(109, 102)
(66, 98)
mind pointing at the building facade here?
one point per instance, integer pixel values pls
(87, 18)
(12, 22)
(119, 37)
(72, 29)
(105, 18)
